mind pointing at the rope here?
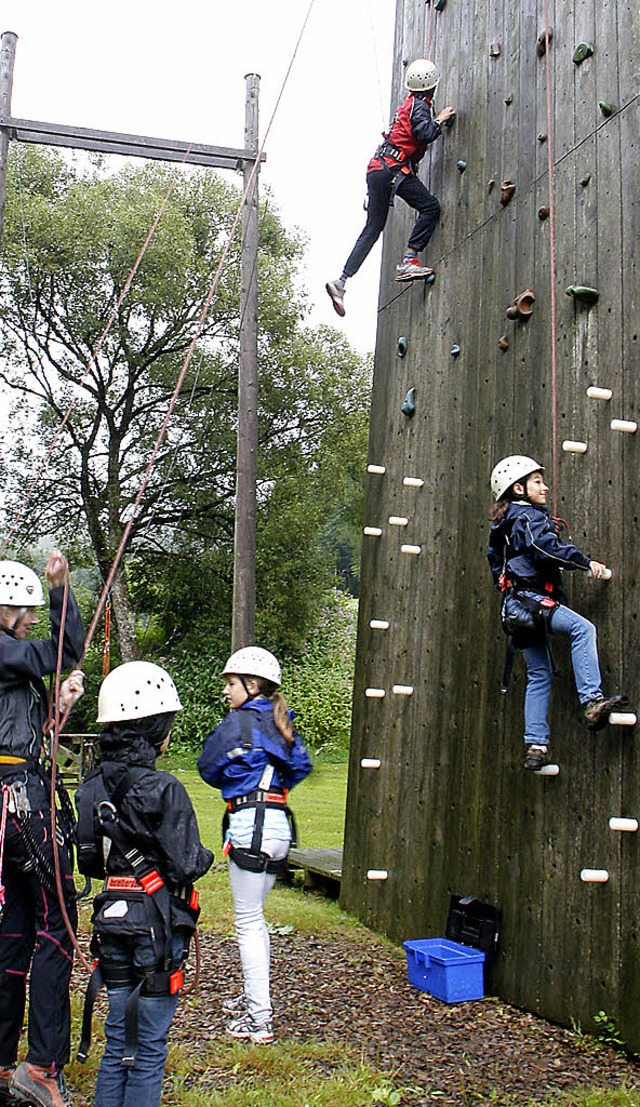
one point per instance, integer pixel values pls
(430, 5)
(552, 267)
(93, 359)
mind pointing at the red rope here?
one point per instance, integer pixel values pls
(552, 266)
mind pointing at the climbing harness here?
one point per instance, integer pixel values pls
(524, 619)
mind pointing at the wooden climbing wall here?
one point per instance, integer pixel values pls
(450, 809)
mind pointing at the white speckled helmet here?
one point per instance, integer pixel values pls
(421, 75)
(136, 690)
(511, 469)
(19, 585)
(256, 662)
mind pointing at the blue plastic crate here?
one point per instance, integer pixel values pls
(447, 970)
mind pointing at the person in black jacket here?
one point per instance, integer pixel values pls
(527, 559)
(32, 928)
(141, 820)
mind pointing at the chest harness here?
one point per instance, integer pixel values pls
(153, 912)
(524, 619)
(254, 859)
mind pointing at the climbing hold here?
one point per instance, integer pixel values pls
(377, 874)
(503, 342)
(507, 189)
(372, 532)
(582, 51)
(374, 693)
(411, 549)
(522, 306)
(509, 99)
(541, 45)
(594, 876)
(413, 482)
(542, 138)
(548, 770)
(402, 346)
(574, 447)
(430, 279)
(582, 293)
(455, 350)
(595, 393)
(379, 624)
(623, 824)
(461, 165)
(494, 50)
(402, 689)
(440, 5)
(627, 426)
(584, 181)
(543, 213)
(398, 521)
(606, 109)
(623, 718)
(491, 186)
(409, 404)
(376, 469)
(370, 762)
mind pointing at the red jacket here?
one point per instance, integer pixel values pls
(411, 131)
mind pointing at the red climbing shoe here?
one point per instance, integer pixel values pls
(597, 712)
(411, 270)
(336, 292)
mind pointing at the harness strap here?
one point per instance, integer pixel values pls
(95, 985)
(3, 828)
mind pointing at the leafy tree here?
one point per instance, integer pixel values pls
(70, 240)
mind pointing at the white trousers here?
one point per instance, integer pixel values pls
(249, 891)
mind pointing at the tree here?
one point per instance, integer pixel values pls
(70, 240)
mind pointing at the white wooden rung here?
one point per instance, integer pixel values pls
(618, 823)
(373, 532)
(548, 770)
(380, 469)
(570, 447)
(627, 426)
(374, 693)
(596, 393)
(402, 689)
(408, 549)
(370, 762)
(413, 482)
(379, 624)
(398, 521)
(377, 874)
(594, 876)
(623, 718)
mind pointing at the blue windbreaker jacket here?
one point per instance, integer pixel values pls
(535, 555)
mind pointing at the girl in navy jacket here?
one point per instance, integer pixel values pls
(254, 756)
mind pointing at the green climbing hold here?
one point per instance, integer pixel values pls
(584, 181)
(402, 346)
(455, 350)
(583, 294)
(461, 165)
(606, 109)
(409, 405)
(582, 51)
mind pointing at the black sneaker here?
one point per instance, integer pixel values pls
(597, 711)
(536, 757)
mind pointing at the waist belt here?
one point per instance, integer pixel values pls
(185, 892)
(252, 799)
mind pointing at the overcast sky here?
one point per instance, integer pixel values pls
(177, 71)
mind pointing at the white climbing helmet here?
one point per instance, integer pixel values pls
(19, 585)
(136, 690)
(421, 75)
(256, 662)
(510, 470)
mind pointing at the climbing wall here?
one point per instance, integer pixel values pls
(438, 800)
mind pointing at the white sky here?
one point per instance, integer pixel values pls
(177, 71)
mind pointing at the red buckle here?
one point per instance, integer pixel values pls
(194, 900)
(548, 602)
(176, 981)
(276, 797)
(152, 882)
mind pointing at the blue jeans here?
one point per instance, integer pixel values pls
(586, 670)
(140, 1086)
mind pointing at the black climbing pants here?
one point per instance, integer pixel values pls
(380, 183)
(32, 933)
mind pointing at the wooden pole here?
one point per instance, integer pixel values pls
(7, 56)
(244, 575)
